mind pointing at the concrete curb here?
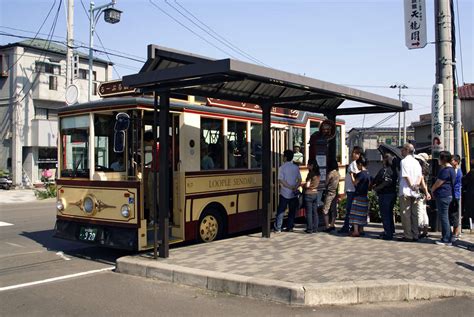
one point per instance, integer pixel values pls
(310, 294)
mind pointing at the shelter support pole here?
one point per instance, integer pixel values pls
(164, 190)
(155, 177)
(332, 149)
(266, 170)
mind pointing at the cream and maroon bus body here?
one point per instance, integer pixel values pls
(102, 201)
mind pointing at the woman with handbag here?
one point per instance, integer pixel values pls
(360, 205)
(311, 196)
(385, 185)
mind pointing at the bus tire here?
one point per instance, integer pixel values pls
(211, 226)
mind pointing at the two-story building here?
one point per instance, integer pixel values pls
(32, 88)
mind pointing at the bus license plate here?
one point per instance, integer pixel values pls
(88, 234)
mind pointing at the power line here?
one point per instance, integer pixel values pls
(213, 33)
(190, 30)
(36, 35)
(100, 41)
(77, 42)
(43, 54)
(460, 43)
(75, 47)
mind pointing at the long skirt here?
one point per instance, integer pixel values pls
(359, 209)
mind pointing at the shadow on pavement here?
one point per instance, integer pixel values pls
(465, 265)
(76, 249)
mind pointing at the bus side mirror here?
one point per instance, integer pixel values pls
(122, 122)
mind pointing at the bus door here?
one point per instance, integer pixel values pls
(175, 223)
(278, 145)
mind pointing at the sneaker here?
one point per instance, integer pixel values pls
(439, 242)
(308, 231)
(276, 230)
(454, 239)
(289, 230)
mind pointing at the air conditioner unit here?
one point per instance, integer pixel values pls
(4, 73)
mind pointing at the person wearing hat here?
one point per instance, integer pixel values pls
(297, 155)
(423, 220)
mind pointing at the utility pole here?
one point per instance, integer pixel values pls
(400, 140)
(444, 66)
(70, 42)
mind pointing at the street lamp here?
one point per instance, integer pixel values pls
(111, 15)
(400, 87)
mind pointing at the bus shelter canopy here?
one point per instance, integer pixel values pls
(228, 79)
(168, 71)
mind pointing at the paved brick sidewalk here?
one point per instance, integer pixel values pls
(319, 258)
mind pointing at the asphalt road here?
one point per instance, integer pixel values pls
(44, 276)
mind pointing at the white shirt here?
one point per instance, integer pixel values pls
(290, 173)
(409, 167)
(348, 185)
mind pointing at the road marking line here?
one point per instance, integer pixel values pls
(4, 224)
(14, 244)
(15, 254)
(62, 256)
(54, 279)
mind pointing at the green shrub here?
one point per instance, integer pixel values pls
(49, 191)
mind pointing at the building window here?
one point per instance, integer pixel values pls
(94, 89)
(53, 83)
(42, 67)
(84, 74)
(45, 114)
(212, 144)
(3, 65)
(237, 144)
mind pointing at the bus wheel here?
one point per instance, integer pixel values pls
(211, 226)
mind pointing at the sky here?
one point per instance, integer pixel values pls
(355, 43)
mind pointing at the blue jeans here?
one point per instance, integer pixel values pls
(282, 204)
(442, 204)
(349, 198)
(386, 203)
(312, 217)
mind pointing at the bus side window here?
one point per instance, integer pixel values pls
(212, 144)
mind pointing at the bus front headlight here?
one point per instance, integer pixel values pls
(125, 211)
(88, 205)
(59, 205)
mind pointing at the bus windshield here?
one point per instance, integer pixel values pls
(75, 146)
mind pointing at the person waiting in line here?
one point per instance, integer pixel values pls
(352, 170)
(385, 185)
(442, 191)
(289, 178)
(409, 192)
(207, 163)
(330, 199)
(360, 203)
(311, 196)
(454, 206)
(423, 220)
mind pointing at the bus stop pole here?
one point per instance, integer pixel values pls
(266, 170)
(155, 178)
(164, 192)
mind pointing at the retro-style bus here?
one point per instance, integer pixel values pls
(104, 196)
